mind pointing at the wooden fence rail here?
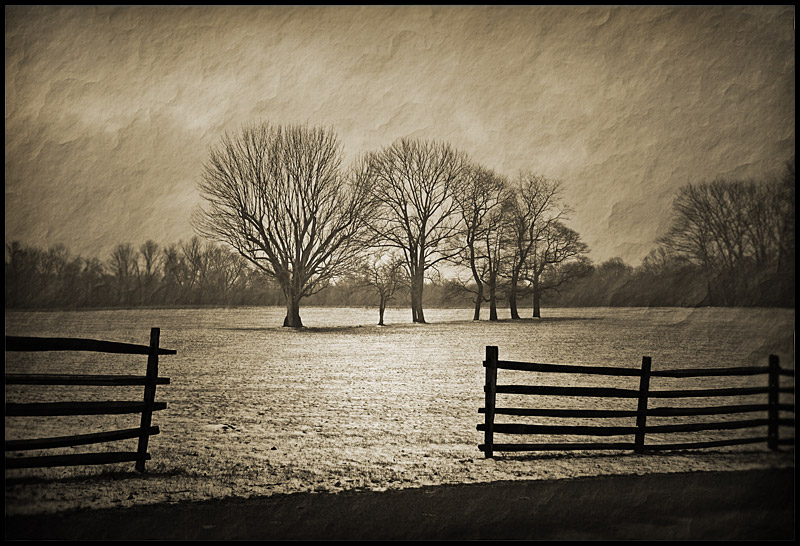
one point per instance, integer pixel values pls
(146, 407)
(643, 394)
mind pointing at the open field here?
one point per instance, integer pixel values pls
(344, 406)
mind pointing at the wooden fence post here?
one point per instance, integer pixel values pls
(149, 398)
(641, 410)
(491, 394)
(772, 401)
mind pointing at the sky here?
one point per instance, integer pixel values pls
(111, 111)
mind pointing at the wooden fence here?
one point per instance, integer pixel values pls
(145, 407)
(638, 431)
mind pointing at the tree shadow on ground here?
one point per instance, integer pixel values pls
(562, 455)
(104, 476)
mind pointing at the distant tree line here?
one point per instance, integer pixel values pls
(730, 243)
(190, 273)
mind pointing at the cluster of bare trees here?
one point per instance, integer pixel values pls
(187, 273)
(731, 243)
(194, 272)
(514, 239)
(739, 233)
(281, 197)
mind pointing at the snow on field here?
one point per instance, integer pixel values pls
(255, 409)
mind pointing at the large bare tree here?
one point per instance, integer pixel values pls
(280, 197)
(414, 183)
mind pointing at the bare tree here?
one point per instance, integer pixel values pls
(151, 264)
(553, 261)
(418, 215)
(176, 274)
(483, 201)
(124, 268)
(535, 207)
(734, 230)
(279, 197)
(195, 269)
(385, 274)
(224, 268)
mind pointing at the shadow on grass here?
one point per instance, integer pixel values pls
(104, 476)
(405, 325)
(562, 455)
(311, 329)
(746, 505)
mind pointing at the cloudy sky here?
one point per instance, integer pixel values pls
(110, 111)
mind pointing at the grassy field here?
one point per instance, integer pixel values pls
(345, 406)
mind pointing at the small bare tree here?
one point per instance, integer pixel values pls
(196, 267)
(414, 183)
(225, 269)
(279, 197)
(385, 275)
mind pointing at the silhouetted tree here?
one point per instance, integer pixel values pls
(150, 269)
(385, 274)
(483, 200)
(124, 269)
(552, 261)
(279, 197)
(535, 206)
(414, 183)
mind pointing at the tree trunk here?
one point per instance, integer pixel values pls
(292, 319)
(420, 313)
(478, 283)
(417, 285)
(478, 299)
(537, 313)
(493, 298)
(381, 309)
(413, 302)
(512, 296)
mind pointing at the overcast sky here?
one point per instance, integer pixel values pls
(110, 111)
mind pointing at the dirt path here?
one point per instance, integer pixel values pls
(756, 504)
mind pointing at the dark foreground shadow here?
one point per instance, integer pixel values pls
(747, 505)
